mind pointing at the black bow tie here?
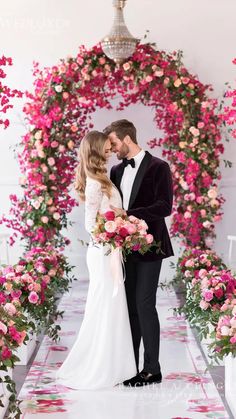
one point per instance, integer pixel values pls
(130, 161)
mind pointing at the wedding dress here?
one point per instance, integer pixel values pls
(102, 355)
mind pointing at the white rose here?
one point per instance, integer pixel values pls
(58, 88)
(56, 216)
(206, 224)
(38, 135)
(225, 330)
(212, 193)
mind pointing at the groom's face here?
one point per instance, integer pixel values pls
(118, 146)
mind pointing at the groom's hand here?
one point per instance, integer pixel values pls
(118, 211)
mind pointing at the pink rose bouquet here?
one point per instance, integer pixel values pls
(127, 233)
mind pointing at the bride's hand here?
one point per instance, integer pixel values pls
(118, 211)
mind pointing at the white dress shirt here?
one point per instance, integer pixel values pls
(128, 178)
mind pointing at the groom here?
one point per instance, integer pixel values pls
(145, 184)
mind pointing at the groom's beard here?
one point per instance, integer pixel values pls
(123, 152)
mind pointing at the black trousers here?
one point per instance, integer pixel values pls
(141, 286)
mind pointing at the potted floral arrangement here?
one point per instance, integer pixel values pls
(13, 332)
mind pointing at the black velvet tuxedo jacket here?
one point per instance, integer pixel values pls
(151, 200)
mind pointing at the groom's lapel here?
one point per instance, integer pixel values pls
(139, 177)
(119, 173)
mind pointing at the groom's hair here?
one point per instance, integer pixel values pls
(122, 127)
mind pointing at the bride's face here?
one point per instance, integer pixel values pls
(107, 149)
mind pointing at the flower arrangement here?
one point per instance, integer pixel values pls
(35, 281)
(126, 232)
(29, 292)
(224, 335)
(210, 296)
(59, 113)
(13, 332)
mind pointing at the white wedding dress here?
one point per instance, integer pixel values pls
(102, 355)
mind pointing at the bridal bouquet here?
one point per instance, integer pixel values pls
(126, 232)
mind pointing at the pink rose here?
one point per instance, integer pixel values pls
(102, 60)
(40, 267)
(44, 219)
(233, 339)
(208, 295)
(33, 297)
(54, 144)
(202, 273)
(3, 328)
(36, 204)
(10, 309)
(149, 238)
(52, 272)
(126, 66)
(159, 73)
(219, 292)
(148, 78)
(109, 215)
(61, 148)
(74, 128)
(19, 268)
(131, 228)
(65, 95)
(6, 353)
(51, 161)
(189, 263)
(204, 305)
(123, 232)
(188, 274)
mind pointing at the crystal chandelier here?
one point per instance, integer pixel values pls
(119, 44)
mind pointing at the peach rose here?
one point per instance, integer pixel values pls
(110, 226)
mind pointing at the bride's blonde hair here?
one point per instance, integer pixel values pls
(92, 161)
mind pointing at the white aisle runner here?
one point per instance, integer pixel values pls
(186, 392)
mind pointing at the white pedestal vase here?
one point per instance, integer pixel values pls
(4, 393)
(230, 382)
(25, 351)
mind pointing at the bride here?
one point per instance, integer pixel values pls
(102, 355)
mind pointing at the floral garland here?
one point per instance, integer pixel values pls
(59, 113)
(6, 94)
(229, 112)
(13, 324)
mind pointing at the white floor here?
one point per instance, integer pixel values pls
(186, 392)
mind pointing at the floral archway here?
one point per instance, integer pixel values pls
(59, 113)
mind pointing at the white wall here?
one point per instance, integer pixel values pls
(46, 30)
